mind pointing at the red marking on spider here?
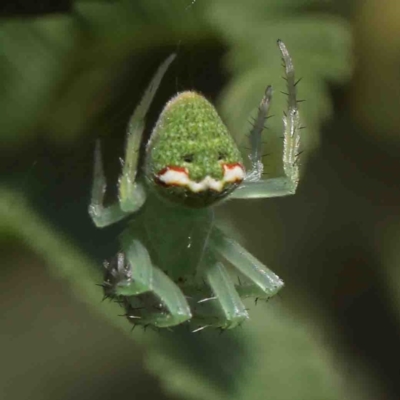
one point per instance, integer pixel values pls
(230, 168)
(180, 171)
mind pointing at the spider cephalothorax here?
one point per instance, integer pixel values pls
(191, 156)
(175, 264)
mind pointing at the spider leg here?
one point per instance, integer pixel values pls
(257, 166)
(162, 307)
(252, 290)
(144, 277)
(267, 284)
(102, 216)
(131, 193)
(253, 187)
(224, 293)
(129, 273)
(173, 300)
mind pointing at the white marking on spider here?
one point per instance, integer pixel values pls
(200, 329)
(207, 299)
(233, 173)
(178, 176)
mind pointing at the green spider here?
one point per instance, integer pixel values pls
(176, 264)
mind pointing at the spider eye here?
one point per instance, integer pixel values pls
(221, 156)
(188, 158)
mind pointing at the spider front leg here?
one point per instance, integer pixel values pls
(253, 186)
(149, 296)
(131, 193)
(167, 306)
(260, 281)
(121, 279)
(101, 215)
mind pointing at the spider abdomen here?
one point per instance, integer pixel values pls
(191, 157)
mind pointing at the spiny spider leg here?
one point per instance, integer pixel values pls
(282, 186)
(134, 274)
(131, 193)
(139, 266)
(256, 140)
(251, 290)
(102, 216)
(247, 264)
(129, 273)
(173, 299)
(163, 306)
(223, 288)
(147, 277)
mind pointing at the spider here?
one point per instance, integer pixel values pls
(175, 264)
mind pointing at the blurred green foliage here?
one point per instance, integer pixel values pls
(260, 358)
(68, 78)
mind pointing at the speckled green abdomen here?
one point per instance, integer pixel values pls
(191, 152)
